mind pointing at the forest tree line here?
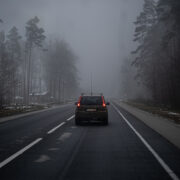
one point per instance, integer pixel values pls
(156, 59)
(33, 68)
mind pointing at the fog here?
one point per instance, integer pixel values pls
(100, 32)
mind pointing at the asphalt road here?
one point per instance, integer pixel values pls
(48, 145)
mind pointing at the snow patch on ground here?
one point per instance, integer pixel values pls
(42, 158)
(173, 113)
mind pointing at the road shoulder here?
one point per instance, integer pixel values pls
(166, 128)
(9, 118)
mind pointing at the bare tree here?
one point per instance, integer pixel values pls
(61, 72)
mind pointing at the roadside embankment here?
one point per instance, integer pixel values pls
(31, 112)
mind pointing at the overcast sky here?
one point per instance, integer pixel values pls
(99, 31)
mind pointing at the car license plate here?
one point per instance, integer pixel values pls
(90, 110)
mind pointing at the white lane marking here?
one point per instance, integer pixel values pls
(55, 128)
(6, 161)
(70, 118)
(154, 153)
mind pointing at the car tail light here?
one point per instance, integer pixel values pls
(104, 104)
(79, 102)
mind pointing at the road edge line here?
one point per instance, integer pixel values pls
(153, 152)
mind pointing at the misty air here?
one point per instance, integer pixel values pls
(89, 89)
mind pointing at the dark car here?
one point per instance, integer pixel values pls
(91, 108)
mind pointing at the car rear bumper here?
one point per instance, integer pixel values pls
(91, 116)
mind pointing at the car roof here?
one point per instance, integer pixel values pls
(94, 94)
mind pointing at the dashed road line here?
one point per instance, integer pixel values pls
(12, 157)
(70, 118)
(55, 128)
(153, 152)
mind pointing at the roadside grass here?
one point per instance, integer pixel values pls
(171, 114)
(21, 109)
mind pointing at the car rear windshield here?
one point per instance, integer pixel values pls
(91, 100)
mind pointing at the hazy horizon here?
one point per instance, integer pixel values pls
(99, 32)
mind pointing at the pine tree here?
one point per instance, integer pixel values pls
(34, 38)
(169, 14)
(14, 54)
(4, 71)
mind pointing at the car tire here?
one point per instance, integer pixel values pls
(105, 122)
(77, 122)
